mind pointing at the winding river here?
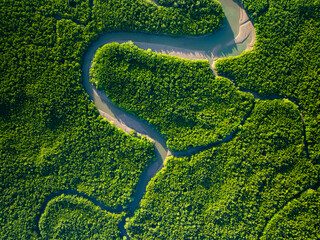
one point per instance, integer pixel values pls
(236, 35)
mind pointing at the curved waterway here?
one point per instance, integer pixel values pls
(236, 35)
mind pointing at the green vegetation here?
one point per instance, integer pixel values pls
(298, 220)
(184, 18)
(285, 60)
(71, 217)
(232, 190)
(255, 7)
(199, 10)
(180, 97)
(77, 10)
(52, 137)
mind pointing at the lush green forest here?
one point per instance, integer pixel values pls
(180, 97)
(285, 60)
(233, 189)
(256, 7)
(298, 220)
(51, 136)
(183, 18)
(68, 217)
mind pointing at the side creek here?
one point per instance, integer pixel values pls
(236, 35)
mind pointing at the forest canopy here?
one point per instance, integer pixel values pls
(299, 219)
(53, 139)
(183, 18)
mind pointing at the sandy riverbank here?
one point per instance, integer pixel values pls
(173, 51)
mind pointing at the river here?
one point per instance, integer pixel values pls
(236, 35)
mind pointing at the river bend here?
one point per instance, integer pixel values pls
(236, 35)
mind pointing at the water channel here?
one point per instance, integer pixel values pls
(236, 35)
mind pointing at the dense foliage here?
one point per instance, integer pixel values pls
(232, 190)
(298, 220)
(255, 7)
(285, 60)
(201, 9)
(71, 217)
(77, 10)
(188, 18)
(51, 136)
(180, 97)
